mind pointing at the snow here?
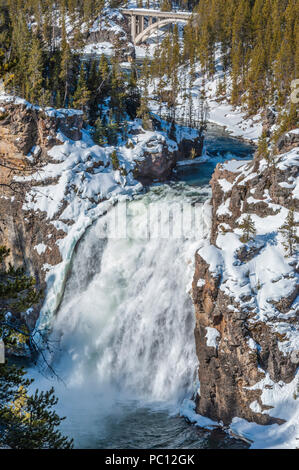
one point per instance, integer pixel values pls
(41, 248)
(99, 48)
(253, 345)
(200, 283)
(212, 336)
(233, 119)
(284, 400)
(188, 411)
(226, 186)
(255, 407)
(291, 159)
(234, 166)
(224, 208)
(212, 256)
(153, 10)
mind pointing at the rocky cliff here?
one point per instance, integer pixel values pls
(246, 294)
(27, 134)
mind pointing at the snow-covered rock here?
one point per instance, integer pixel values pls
(248, 294)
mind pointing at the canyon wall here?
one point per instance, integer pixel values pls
(26, 136)
(246, 294)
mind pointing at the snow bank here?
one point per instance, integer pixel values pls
(284, 400)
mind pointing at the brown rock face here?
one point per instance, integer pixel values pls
(21, 129)
(185, 148)
(155, 166)
(24, 128)
(22, 234)
(226, 371)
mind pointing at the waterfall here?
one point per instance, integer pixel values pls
(124, 332)
(127, 318)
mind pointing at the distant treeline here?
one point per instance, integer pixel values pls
(259, 40)
(255, 41)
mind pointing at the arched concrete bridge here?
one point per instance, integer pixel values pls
(154, 19)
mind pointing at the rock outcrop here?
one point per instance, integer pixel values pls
(245, 293)
(187, 146)
(26, 129)
(26, 136)
(161, 154)
(157, 160)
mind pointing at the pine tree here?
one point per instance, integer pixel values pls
(114, 160)
(100, 132)
(82, 94)
(21, 46)
(103, 68)
(26, 422)
(29, 421)
(166, 5)
(78, 38)
(35, 72)
(117, 91)
(289, 233)
(143, 112)
(248, 228)
(93, 84)
(263, 149)
(104, 74)
(65, 67)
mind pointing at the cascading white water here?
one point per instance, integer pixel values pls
(126, 319)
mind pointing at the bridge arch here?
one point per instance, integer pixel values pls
(162, 18)
(154, 26)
